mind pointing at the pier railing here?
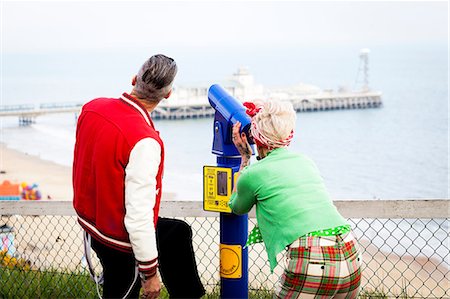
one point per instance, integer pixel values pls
(405, 245)
(28, 113)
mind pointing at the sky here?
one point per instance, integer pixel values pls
(52, 26)
(58, 46)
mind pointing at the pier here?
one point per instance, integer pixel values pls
(320, 102)
(27, 113)
(192, 102)
(325, 101)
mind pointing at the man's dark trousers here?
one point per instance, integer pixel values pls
(176, 260)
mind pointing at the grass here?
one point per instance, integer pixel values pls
(372, 295)
(19, 283)
(25, 283)
(252, 294)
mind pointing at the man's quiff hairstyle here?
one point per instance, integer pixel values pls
(276, 120)
(154, 79)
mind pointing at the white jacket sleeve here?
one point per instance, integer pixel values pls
(140, 198)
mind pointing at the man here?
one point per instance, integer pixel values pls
(117, 179)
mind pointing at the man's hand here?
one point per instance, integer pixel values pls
(151, 287)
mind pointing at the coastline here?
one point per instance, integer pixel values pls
(54, 180)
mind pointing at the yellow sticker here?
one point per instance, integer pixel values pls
(230, 261)
(235, 178)
(216, 188)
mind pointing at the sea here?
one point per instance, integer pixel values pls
(397, 151)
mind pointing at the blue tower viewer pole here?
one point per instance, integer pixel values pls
(233, 228)
(233, 231)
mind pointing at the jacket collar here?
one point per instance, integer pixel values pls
(129, 99)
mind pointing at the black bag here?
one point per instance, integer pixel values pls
(176, 259)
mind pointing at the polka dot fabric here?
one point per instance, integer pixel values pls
(255, 235)
(339, 230)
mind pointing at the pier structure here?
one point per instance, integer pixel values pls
(192, 101)
(319, 102)
(325, 102)
(27, 114)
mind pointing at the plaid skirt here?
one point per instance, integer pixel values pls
(321, 267)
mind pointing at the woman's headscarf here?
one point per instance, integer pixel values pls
(258, 135)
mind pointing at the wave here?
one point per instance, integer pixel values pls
(55, 132)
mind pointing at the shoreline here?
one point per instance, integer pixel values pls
(54, 180)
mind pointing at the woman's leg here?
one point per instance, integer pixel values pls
(351, 269)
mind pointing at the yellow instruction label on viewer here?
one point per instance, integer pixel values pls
(216, 188)
(230, 261)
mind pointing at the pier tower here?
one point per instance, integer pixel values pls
(363, 71)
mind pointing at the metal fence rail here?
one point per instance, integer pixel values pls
(405, 247)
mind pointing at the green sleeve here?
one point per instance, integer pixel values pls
(242, 201)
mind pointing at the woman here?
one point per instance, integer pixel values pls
(294, 211)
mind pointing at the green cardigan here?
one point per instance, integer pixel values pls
(290, 197)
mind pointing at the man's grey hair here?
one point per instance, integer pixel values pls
(154, 79)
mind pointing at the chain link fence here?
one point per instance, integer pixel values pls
(42, 257)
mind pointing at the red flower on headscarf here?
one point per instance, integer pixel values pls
(251, 109)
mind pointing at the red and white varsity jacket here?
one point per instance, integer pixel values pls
(117, 173)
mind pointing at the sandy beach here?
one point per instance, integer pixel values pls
(54, 180)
